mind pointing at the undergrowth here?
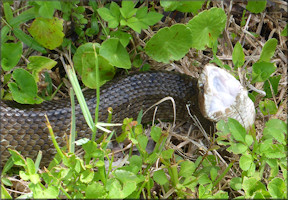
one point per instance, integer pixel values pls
(105, 37)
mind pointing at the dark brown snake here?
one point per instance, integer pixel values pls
(23, 126)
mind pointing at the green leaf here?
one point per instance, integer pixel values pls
(30, 42)
(85, 64)
(47, 32)
(268, 50)
(156, 133)
(182, 6)
(237, 148)
(17, 158)
(167, 154)
(117, 191)
(10, 55)
(127, 9)
(38, 63)
(245, 162)
(277, 188)
(160, 177)
(276, 129)
(7, 12)
(248, 140)
(284, 32)
(136, 161)
(169, 44)
(213, 173)
(47, 8)
(237, 130)
(256, 6)
(112, 16)
(274, 82)
(115, 53)
(187, 168)
(95, 190)
(86, 176)
(122, 36)
(204, 179)
(206, 27)
(268, 107)
(143, 141)
(236, 183)
(252, 185)
(150, 18)
(262, 71)
(238, 56)
(25, 89)
(4, 193)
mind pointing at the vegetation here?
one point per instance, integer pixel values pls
(102, 38)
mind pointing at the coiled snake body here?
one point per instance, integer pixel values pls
(23, 126)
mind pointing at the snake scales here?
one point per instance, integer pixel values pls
(23, 126)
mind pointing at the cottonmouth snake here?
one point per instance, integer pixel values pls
(23, 126)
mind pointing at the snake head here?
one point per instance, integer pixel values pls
(222, 96)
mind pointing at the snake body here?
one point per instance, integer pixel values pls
(23, 126)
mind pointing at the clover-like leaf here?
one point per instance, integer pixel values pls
(206, 27)
(25, 89)
(112, 15)
(47, 32)
(10, 55)
(169, 43)
(261, 71)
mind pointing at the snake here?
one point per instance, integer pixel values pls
(23, 127)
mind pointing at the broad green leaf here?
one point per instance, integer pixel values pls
(95, 190)
(248, 140)
(143, 141)
(274, 82)
(182, 6)
(237, 148)
(47, 32)
(268, 107)
(25, 89)
(204, 179)
(245, 162)
(256, 6)
(262, 71)
(115, 53)
(127, 9)
(86, 176)
(237, 130)
(268, 50)
(167, 154)
(136, 161)
(118, 191)
(156, 133)
(122, 36)
(213, 173)
(238, 56)
(276, 151)
(85, 64)
(169, 43)
(134, 23)
(236, 183)
(187, 168)
(276, 129)
(251, 185)
(10, 55)
(278, 188)
(47, 8)
(38, 63)
(112, 16)
(160, 177)
(206, 27)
